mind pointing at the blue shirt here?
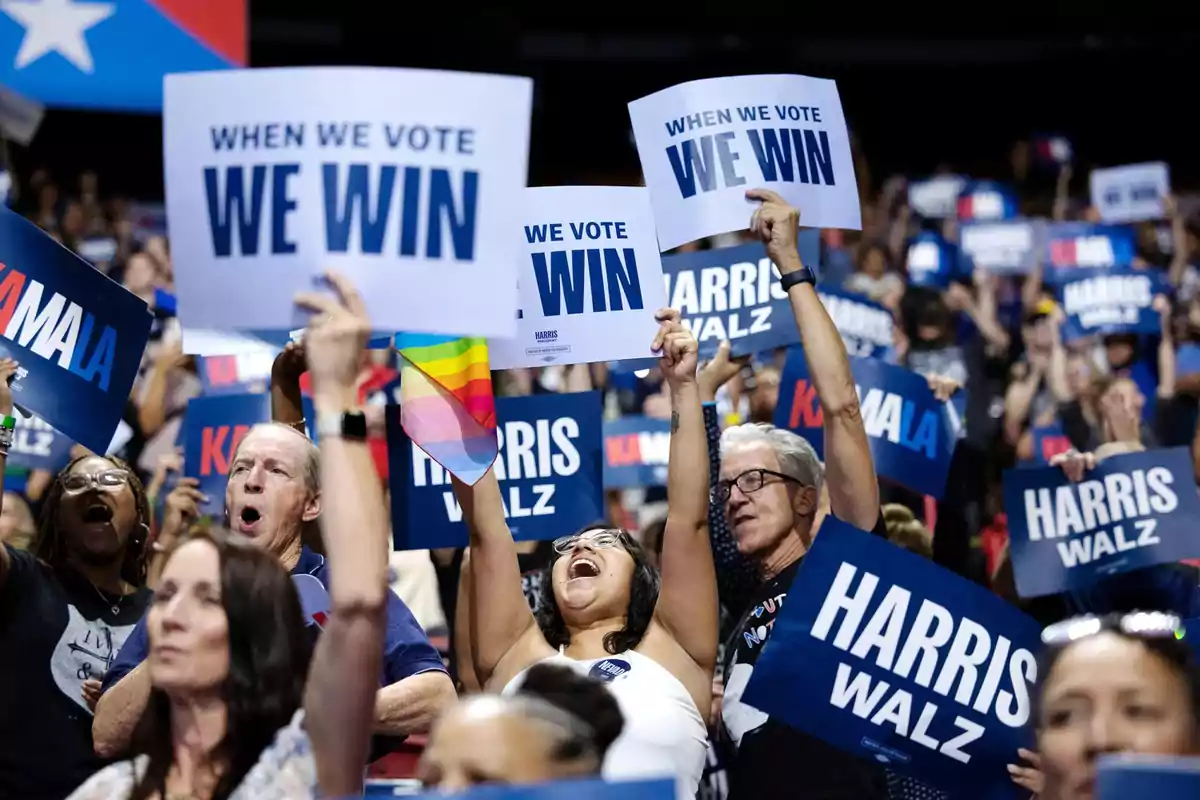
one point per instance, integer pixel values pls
(406, 649)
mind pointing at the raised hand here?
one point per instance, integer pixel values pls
(775, 222)
(336, 336)
(678, 348)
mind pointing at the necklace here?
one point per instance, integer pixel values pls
(115, 608)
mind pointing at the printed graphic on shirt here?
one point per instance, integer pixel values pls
(739, 717)
(609, 669)
(85, 650)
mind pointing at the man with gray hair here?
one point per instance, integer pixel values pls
(770, 491)
(272, 495)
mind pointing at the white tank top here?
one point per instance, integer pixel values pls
(664, 734)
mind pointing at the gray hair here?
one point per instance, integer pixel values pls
(797, 459)
(312, 455)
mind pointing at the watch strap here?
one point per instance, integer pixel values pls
(350, 425)
(802, 275)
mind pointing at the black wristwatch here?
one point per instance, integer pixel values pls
(350, 425)
(802, 275)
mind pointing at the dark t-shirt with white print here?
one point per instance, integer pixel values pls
(56, 631)
(771, 759)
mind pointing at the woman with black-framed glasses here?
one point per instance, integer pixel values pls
(605, 612)
(1115, 684)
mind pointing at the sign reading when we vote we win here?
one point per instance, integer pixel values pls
(702, 144)
(213, 428)
(734, 294)
(408, 181)
(1131, 511)
(549, 469)
(590, 278)
(912, 434)
(887, 655)
(77, 335)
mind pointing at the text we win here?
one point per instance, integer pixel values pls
(595, 272)
(780, 140)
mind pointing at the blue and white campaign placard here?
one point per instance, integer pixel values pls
(213, 429)
(408, 181)
(733, 294)
(1121, 776)
(550, 471)
(586, 789)
(936, 197)
(38, 446)
(932, 261)
(912, 434)
(1011, 247)
(1110, 301)
(867, 328)
(702, 144)
(986, 201)
(1085, 244)
(1131, 193)
(590, 277)
(887, 655)
(1131, 511)
(636, 451)
(77, 335)
(247, 373)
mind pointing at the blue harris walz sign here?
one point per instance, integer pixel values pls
(550, 471)
(38, 446)
(885, 654)
(1110, 300)
(1131, 511)
(636, 450)
(734, 294)
(77, 335)
(912, 434)
(867, 328)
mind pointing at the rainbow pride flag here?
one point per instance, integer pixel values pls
(446, 402)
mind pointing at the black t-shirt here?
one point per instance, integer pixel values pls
(56, 631)
(772, 760)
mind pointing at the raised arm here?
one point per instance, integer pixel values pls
(339, 700)
(849, 470)
(687, 599)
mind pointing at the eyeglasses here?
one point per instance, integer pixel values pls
(1142, 624)
(109, 480)
(749, 481)
(600, 538)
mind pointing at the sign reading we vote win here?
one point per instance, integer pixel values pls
(887, 655)
(1131, 193)
(734, 294)
(702, 144)
(1131, 511)
(912, 434)
(408, 181)
(77, 335)
(590, 278)
(636, 451)
(213, 428)
(549, 469)
(1110, 301)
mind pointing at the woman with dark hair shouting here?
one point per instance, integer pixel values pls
(66, 607)
(231, 716)
(606, 614)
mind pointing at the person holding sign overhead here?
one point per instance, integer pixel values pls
(654, 644)
(770, 487)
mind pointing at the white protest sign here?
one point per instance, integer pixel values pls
(590, 278)
(703, 144)
(1131, 193)
(936, 197)
(1009, 247)
(408, 181)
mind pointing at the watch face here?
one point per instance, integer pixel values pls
(354, 425)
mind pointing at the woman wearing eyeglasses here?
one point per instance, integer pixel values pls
(606, 614)
(65, 610)
(1118, 684)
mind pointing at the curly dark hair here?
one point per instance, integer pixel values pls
(269, 653)
(643, 595)
(50, 547)
(586, 698)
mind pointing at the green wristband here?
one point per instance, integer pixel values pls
(8, 423)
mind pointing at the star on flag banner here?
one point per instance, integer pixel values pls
(113, 55)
